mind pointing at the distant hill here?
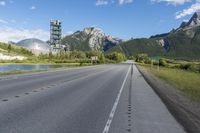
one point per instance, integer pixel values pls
(36, 46)
(181, 43)
(12, 49)
(90, 39)
(184, 43)
(160, 35)
(136, 46)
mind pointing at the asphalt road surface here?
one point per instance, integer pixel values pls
(99, 99)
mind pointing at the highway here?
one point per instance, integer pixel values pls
(98, 99)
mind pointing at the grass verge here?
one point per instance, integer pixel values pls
(71, 65)
(20, 72)
(186, 81)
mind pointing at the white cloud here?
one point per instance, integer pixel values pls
(192, 9)
(101, 2)
(2, 3)
(106, 2)
(121, 2)
(12, 34)
(32, 7)
(173, 2)
(5, 2)
(3, 21)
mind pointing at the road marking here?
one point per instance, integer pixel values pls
(112, 113)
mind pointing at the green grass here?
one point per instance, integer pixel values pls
(14, 50)
(20, 72)
(31, 71)
(71, 65)
(186, 81)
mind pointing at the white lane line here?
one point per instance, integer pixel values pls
(112, 113)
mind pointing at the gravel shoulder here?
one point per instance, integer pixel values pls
(185, 110)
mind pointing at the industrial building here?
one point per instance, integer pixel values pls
(55, 35)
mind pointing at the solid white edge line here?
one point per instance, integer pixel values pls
(112, 113)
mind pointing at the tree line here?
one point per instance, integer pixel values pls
(83, 57)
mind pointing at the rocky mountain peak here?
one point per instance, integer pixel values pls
(94, 31)
(183, 24)
(94, 37)
(193, 22)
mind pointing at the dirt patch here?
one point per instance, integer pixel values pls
(185, 110)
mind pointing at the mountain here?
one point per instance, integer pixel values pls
(136, 46)
(34, 44)
(180, 43)
(160, 35)
(184, 42)
(193, 22)
(91, 38)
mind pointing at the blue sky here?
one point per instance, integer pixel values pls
(21, 19)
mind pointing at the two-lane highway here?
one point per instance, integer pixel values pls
(102, 99)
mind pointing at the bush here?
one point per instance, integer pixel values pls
(100, 55)
(194, 67)
(15, 49)
(65, 61)
(143, 58)
(163, 62)
(117, 57)
(185, 66)
(77, 55)
(109, 61)
(73, 61)
(155, 63)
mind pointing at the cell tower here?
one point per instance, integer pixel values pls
(55, 35)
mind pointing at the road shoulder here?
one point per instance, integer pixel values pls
(186, 111)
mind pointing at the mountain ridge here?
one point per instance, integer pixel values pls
(180, 43)
(193, 22)
(91, 38)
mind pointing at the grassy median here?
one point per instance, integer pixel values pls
(186, 81)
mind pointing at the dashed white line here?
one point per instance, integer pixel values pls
(112, 113)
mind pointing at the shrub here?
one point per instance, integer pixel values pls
(163, 62)
(117, 57)
(109, 61)
(155, 63)
(185, 66)
(194, 67)
(77, 55)
(143, 58)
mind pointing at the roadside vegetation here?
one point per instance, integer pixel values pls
(70, 58)
(19, 72)
(8, 49)
(80, 57)
(183, 75)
